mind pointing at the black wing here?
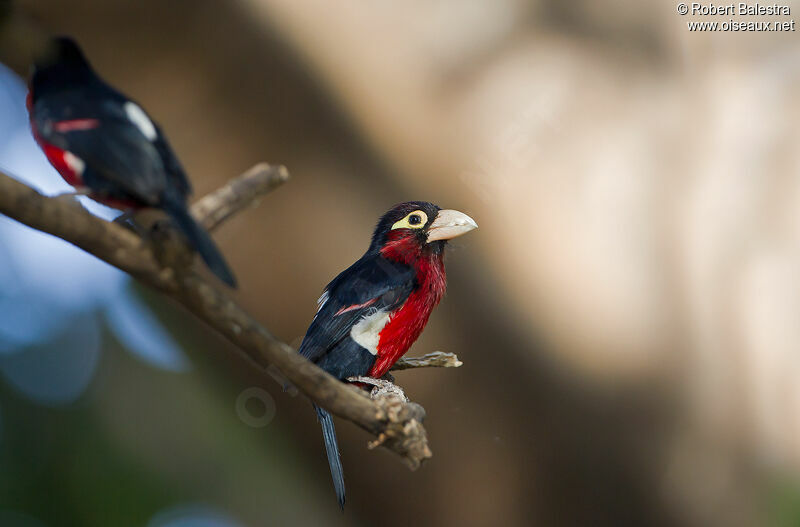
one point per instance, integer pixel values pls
(371, 283)
(119, 159)
(178, 179)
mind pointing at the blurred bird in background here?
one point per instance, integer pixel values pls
(103, 143)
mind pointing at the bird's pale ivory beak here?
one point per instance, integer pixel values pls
(449, 224)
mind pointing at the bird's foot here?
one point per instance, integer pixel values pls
(71, 195)
(381, 388)
(77, 191)
(281, 379)
(127, 219)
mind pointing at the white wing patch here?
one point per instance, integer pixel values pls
(322, 299)
(367, 332)
(140, 119)
(74, 163)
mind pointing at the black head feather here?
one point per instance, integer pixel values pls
(397, 213)
(61, 66)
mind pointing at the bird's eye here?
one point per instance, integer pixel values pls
(414, 220)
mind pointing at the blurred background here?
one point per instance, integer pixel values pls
(627, 312)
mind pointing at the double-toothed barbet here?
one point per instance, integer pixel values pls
(102, 142)
(371, 313)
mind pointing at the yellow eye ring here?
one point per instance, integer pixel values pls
(414, 220)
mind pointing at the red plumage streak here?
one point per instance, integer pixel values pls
(355, 306)
(406, 324)
(57, 156)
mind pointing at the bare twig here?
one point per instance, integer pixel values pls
(397, 425)
(238, 194)
(435, 359)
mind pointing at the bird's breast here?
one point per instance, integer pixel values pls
(405, 324)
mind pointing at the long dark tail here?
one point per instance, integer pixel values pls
(332, 449)
(201, 241)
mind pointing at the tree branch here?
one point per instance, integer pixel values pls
(396, 424)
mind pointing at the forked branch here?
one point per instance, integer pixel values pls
(395, 423)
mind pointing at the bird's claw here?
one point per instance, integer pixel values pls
(72, 196)
(127, 221)
(381, 388)
(377, 442)
(78, 191)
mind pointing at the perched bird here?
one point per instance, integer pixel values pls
(104, 144)
(371, 313)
